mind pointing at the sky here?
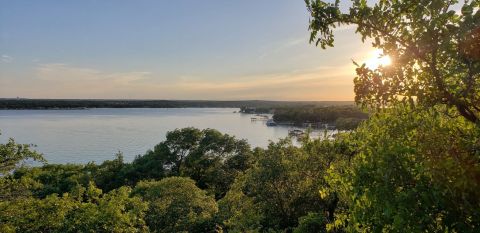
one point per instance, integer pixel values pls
(182, 49)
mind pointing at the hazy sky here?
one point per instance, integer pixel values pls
(182, 49)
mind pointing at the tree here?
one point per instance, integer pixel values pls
(177, 147)
(54, 178)
(238, 212)
(83, 210)
(177, 205)
(11, 154)
(115, 211)
(411, 172)
(110, 174)
(12, 188)
(207, 156)
(435, 50)
(216, 162)
(281, 187)
(166, 158)
(34, 215)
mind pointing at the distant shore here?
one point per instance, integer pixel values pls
(76, 104)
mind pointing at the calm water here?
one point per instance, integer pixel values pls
(80, 136)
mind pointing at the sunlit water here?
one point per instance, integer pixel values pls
(81, 136)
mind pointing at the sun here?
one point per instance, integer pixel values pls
(377, 59)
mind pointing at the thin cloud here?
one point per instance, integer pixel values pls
(323, 83)
(65, 81)
(60, 72)
(6, 58)
(283, 46)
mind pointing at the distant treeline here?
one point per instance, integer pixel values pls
(82, 103)
(328, 114)
(344, 117)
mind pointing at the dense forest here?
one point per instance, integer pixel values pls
(412, 166)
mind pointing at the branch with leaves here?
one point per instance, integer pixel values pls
(434, 48)
(13, 154)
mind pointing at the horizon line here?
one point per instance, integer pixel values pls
(21, 98)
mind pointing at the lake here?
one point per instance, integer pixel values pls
(81, 136)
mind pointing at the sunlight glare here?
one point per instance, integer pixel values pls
(377, 59)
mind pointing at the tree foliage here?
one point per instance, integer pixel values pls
(12, 153)
(311, 223)
(177, 205)
(203, 155)
(54, 178)
(281, 187)
(85, 210)
(410, 173)
(434, 48)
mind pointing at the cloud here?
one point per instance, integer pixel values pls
(63, 73)
(6, 59)
(322, 83)
(279, 47)
(57, 80)
(65, 81)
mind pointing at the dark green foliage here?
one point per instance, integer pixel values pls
(55, 179)
(238, 212)
(110, 174)
(216, 162)
(311, 223)
(209, 157)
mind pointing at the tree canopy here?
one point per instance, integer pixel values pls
(12, 154)
(176, 204)
(434, 48)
